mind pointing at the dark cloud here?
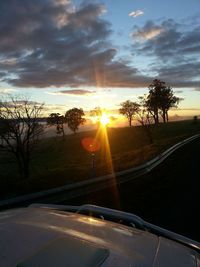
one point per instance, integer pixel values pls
(149, 31)
(52, 43)
(75, 92)
(180, 74)
(168, 39)
(174, 49)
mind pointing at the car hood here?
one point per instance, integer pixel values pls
(31, 234)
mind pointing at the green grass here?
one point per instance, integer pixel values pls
(58, 162)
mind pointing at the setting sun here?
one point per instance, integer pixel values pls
(104, 119)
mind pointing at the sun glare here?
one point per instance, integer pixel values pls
(104, 119)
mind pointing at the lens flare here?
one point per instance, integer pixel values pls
(106, 157)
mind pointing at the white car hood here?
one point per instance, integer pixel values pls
(26, 232)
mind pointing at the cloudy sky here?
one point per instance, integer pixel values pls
(91, 53)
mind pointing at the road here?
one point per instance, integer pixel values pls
(169, 196)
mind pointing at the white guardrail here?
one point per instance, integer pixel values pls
(123, 176)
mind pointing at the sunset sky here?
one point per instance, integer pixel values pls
(99, 53)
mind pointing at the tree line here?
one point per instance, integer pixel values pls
(153, 106)
(147, 110)
(73, 118)
(20, 129)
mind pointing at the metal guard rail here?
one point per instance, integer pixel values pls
(134, 172)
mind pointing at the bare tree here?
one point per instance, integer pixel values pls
(145, 118)
(57, 120)
(20, 130)
(129, 109)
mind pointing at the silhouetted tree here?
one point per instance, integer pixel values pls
(96, 112)
(129, 109)
(167, 101)
(154, 98)
(74, 118)
(160, 99)
(195, 119)
(20, 130)
(145, 118)
(57, 120)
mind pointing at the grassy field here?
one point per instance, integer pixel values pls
(59, 162)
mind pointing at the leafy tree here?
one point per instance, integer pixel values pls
(154, 98)
(20, 130)
(129, 109)
(96, 112)
(74, 118)
(167, 101)
(160, 99)
(57, 120)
